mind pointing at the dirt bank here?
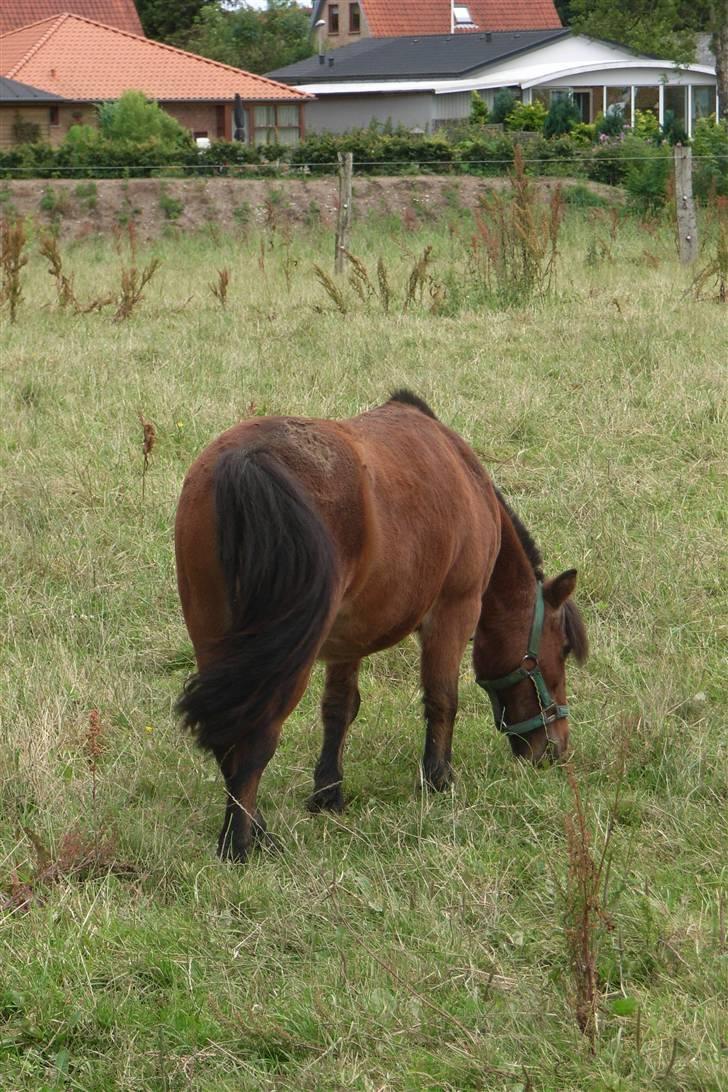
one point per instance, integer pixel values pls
(82, 208)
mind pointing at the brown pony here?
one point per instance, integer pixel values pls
(302, 539)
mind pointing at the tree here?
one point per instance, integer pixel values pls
(257, 41)
(719, 44)
(648, 26)
(162, 19)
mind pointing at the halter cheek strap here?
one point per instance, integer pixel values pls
(550, 711)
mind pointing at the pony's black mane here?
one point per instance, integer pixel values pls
(524, 536)
(410, 399)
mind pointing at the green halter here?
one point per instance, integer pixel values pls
(550, 711)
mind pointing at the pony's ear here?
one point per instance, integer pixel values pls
(558, 590)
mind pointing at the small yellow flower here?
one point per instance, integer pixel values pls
(149, 728)
(180, 424)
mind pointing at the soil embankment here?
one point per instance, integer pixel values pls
(85, 207)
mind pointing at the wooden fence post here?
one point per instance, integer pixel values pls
(343, 216)
(687, 224)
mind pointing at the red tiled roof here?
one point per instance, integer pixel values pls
(387, 19)
(121, 14)
(83, 60)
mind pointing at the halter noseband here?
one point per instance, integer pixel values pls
(550, 711)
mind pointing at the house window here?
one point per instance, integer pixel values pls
(277, 124)
(354, 19)
(54, 115)
(461, 17)
(333, 18)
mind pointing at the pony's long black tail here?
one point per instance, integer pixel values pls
(278, 560)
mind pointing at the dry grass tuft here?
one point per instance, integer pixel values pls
(219, 288)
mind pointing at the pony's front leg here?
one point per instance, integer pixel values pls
(444, 637)
(339, 707)
(242, 767)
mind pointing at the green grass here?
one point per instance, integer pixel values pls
(417, 942)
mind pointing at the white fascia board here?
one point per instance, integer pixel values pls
(373, 87)
(671, 72)
(598, 74)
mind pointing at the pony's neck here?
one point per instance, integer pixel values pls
(508, 603)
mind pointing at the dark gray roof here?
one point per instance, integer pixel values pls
(12, 91)
(430, 55)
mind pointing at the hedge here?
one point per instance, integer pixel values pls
(377, 152)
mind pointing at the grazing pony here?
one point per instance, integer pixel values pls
(302, 539)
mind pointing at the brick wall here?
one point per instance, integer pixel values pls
(53, 122)
(344, 37)
(210, 119)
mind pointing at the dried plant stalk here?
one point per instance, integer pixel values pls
(49, 250)
(148, 442)
(12, 260)
(219, 288)
(417, 278)
(331, 288)
(584, 911)
(133, 283)
(385, 294)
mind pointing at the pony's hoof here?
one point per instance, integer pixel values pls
(438, 778)
(330, 798)
(231, 853)
(263, 839)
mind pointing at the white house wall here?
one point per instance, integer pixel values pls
(577, 50)
(336, 114)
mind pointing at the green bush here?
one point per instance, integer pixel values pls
(485, 155)
(584, 134)
(646, 125)
(374, 152)
(710, 162)
(646, 175)
(526, 118)
(563, 115)
(133, 119)
(581, 197)
(612, 124)
(478, 110)
(559, 156)
(503, 103)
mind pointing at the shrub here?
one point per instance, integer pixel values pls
(485, 155)
(581, 197)
(503, 103)
(646, 177)
(526, 118)
(710, 166)
(559, 156)
(606, 162)
(612, 124)
(563, 115)
(24, 131)
(646, 125)
(133, 119)
(478, 109)
(583, 134)
(673, 131)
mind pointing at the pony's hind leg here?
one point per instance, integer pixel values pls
(443, 637)
(339, 707)
(242, 767)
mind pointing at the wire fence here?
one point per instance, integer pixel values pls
(313, 167)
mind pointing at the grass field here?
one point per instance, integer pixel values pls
(419, 941)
